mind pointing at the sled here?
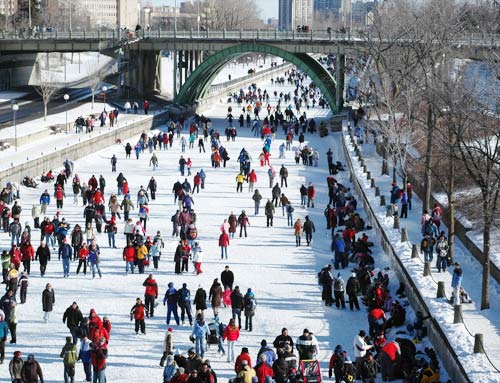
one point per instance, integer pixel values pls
(212, 335)
(310, 371)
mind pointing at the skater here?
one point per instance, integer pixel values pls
(150, 294)
(309, 229)
(250, 305)
(137, 313)
(215, 296)
(232, 334)
(171, 299)
(184, 299)
(297, 227)
(48, 300)
(200, 330)
(69, 356)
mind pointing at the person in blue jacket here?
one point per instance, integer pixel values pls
(170, 369)
(85, 355)
(4, 331)
(200, 331)
(338, 247)
(268, 352)
(44, 201)
(93, 258)
(171, 298)
(456, 282)
(65, 252)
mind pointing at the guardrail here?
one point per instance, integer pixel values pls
(257, 34)
(436, 335)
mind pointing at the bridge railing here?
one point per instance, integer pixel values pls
(257, 34)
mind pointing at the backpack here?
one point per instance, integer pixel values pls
(321, 276)
(252, 304)
(222, 328)
(338, 285)
(428, 229)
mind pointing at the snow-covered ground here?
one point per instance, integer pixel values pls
(486, 322)
(235, 69)
(282, 276)
(36, 148)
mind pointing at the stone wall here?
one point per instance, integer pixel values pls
(96, 142)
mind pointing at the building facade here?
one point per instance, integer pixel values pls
(127, 13)
(295, 12)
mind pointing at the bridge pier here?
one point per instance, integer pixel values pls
(144, 73)
(340, 79)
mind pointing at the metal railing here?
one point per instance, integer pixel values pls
(257, 34)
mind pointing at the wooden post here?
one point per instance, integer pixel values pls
(368, 175)
(382, 200)
(427, 269)
(396, 222)
(404, 234)
(441, 291)
(372, 183)
(478, 344)
(414, 251)
(377, 191)
(457, 317)
(388, 211)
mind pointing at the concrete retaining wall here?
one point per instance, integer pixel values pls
(436, 335)
(97, 141)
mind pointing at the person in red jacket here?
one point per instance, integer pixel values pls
(263, 369)
(388, 357)
(83, 254)
(376, 319)
(252, 179)
(98, 359)
(27, 255)
(196, 183)
(311, 192)
(239, 360)
(129, 257)
(92, 183)
(145, 106)
(99, 333)
(137, 312)
(106, 324)
(59, 195)
(232, 333)
(15, 256)
(95, 322)
(150, 294)
(223, 243)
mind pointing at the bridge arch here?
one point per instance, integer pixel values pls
(198, 83)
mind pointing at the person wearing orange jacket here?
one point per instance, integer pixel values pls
(137, 312)
(129, 258)
(150, 294)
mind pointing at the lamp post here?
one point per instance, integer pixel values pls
(104, 90)
(15, 108)
(127, 106)
(66, 98)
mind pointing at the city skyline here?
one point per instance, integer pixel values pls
(269, 8)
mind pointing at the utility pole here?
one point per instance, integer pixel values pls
(29, 12)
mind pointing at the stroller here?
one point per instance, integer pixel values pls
(310, 371)
(212, 335)
(29, 182)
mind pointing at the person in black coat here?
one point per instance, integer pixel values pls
(308, 229)
(237, 304)
(43, 256)
(152, 186)
(327, 286)
(282, 340)
(352, 289)
(200, 300)
(280, 368)
(227, 278)
(48, 300)
(73, 317)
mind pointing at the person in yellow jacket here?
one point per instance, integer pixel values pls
(240, 178)
(247, 372)
(141, 253)
(430, 376)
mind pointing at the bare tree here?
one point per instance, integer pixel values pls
(231, 15)
(48, 86)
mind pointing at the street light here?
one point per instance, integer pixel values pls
(66, 98)
(15, 108)
(104, 89)
(127, 106)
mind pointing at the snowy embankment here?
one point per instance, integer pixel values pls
(282, 275)
(478, 367)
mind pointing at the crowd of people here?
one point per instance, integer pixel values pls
(105, 209)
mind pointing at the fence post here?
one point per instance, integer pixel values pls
(404, 234)
(368, 175)
(478, 344)
(372, 183)
(389, 211)
(427, 269)
(441, 291)
(457, 317)
(382, 200)
(377, 191)
(414, 251)
(396, 222)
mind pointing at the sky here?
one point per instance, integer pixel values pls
(269, 8)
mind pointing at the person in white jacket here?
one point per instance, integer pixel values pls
(360, 349)
(197, 254)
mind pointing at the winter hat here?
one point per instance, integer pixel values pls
(170, 359)
(263, 343)
(17, 354)
(170, 329)
(191, 351)
(69, 339)
(244, 363)
(306, 331)
(244, 349)
(170, 284)
(184, 285)
(353, 274)
(31, 357)
(181, 370)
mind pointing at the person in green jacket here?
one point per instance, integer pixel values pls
(5, 259)
(69, 356)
